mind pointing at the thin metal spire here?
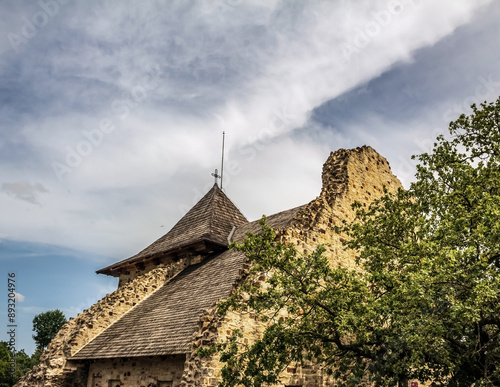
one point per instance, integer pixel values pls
(216, 174)
(222, 164)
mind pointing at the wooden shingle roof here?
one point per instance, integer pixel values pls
(276, 221)
(211, 220)
(164, 323)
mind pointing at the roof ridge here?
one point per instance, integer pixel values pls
(234, 205)
(211, 205)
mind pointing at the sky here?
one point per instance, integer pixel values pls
(112, 114)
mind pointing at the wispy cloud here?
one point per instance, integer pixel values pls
(24, 190)
(78, 121)
(19, 297)
(112, 111)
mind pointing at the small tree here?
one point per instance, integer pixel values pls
(46, 325)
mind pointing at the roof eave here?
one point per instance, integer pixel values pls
(210, 243)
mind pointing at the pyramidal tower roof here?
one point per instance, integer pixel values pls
(205, 228)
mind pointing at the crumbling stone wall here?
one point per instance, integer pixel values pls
(206, 372)
(54, 369)
(348, 175)
(212, 328)
(181, 262)
(354, 175)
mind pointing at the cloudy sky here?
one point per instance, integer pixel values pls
(112, 113)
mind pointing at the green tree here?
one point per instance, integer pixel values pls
(46, 325)
(6, 379)
(23, 363)
(35, 358)
(426, 304)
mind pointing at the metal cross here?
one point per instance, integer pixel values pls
(216, 176)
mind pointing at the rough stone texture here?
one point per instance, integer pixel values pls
(54, 368)
(348, 175)
(167, 371)
(204, 372)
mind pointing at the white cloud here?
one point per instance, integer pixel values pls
(257, 69)
(24, 190)
(253, 69)
(19, 297)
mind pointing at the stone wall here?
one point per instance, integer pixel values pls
(163, 371)
(348, 176)
(180, 262)
(207, 372)
(54, 369)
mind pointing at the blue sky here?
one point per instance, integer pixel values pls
(112, 113)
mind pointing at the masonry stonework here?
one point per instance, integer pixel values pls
(359, 174)
(164, 371)
(54, 369)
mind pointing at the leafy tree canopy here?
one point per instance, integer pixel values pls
(10, 372)
(46, 325)
(426, 304)
(6, 379)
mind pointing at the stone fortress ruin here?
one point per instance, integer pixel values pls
(147, 331)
